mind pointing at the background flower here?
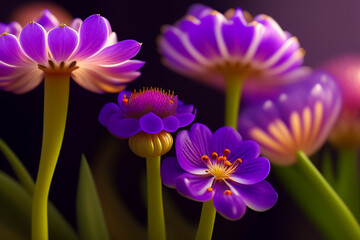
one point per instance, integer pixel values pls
(221, 167)
(299, 118)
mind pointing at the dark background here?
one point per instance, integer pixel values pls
(325, 29)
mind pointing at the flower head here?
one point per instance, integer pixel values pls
(300, 117)
(221, 167)
(346, 70)
(87, 51)
(210, 46)
(151, 111)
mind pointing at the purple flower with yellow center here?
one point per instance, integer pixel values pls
(211, 46)
(87, 51)
(220, 167)
(298, 118)
(144, 116)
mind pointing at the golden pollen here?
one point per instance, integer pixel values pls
(4, 33)
(227, 192)
(210, 189)
(31, 22)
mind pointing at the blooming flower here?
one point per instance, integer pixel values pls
(300, 117)
(346, 70)
(221, 167)
(148, 113)
(210, 46)
(87, 51)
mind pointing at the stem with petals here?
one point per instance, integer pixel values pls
(232, 100)
(156, 222)
(344, 216)
(56, 98)
(207, 220)
(348, 180)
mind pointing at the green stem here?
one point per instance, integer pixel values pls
(156, 222)
(20, 171)
(207, 221)
(348, 179)
(56, 100)
(344, 215)
(232, 100)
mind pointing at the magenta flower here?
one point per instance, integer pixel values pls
(211, 46)
(151, 111)
(87, 51)
(221, 167)
(300, 117)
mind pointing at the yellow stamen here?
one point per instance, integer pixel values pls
(4, 33)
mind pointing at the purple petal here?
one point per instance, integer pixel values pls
(7, 72)
(190, 147)
(225, 138)
(13, 28)
(118, 52)
(195, 186)
(185, 118)
(106, 112)
(48, 20)
(259, 197)
(246, 150)
(123, 127)
(170, 170)
(199, 10)
(93, 35)
(171, 124)
(182, 108)
(10, 51)
(62, 42)
(151, 123)
(251, 171)
(33, 42)
(76, 23)
(127, 66)
(230, 206)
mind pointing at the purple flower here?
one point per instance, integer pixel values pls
(299, 117)
(221, 167)
(12, 28)
(211, 46)
(87, 51)
(145, 115)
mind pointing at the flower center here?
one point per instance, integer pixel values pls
(219, 166)
(154, 100)
(61, 69)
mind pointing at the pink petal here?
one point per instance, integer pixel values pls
(10, 51)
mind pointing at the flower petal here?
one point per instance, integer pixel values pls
(251, 171)
(182, 108)
(170, 170)
(33, 42)
(62, 42)
(195, 186)
(48, 20)
(259, 197)
(190, 147)
(225, 138)
(123, 127)
(246, 150)
(93, 35)
(151, 123)
(117, 53)
(7, 71)
(185, 118)
(10, 51)
(76, 23)
(230, 206)
(106, 113)
(171, 124)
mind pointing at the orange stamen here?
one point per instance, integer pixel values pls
(227, 163)
(205, 158)
(239, 160)
(227, 192)
(210, 189)
(226, 152)
(214, 155)
(221, 158)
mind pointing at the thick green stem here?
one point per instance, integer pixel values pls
(232, 100)
(348, 180)
(56, 98)
(156, 222)
(207, 221)
(344, 216)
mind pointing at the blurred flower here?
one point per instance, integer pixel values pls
(299, 118)
(221, 167)
(147, 114)
(211, 46)
(12, 28)
(88, 52)
(346, 70)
